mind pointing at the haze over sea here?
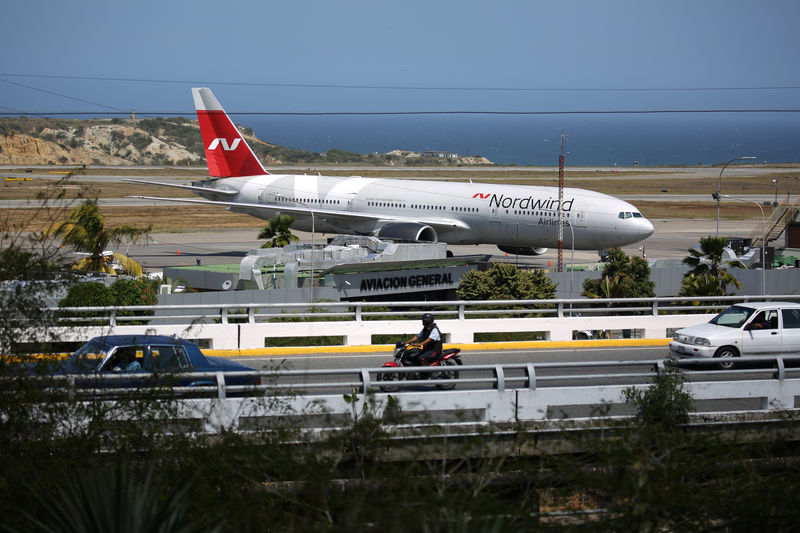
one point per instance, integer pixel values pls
(534, 140)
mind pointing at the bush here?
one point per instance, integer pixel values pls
(666, 404)
(128, 291)
(506, 282)
(121, 293)
(88, 294)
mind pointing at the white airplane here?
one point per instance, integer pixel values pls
(518, 219)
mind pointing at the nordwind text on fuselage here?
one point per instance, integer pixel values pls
(526, 202)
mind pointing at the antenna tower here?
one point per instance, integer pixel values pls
(560, 203)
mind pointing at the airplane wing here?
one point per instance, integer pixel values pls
(193, 188)
(322, 214)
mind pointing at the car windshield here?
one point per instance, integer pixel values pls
(733, 317)
(90, 355)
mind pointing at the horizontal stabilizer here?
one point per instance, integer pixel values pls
(193, 188)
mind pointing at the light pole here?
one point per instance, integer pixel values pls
(775, 203)
(763, 239)
(310, 210)
(719, 182)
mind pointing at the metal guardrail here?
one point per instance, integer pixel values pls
(253, 327)
(496, 377)
(364, 311)
(485, 395)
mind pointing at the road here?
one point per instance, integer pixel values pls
(470, 357)
(573, 376)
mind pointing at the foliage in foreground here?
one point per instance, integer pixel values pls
(653, 475)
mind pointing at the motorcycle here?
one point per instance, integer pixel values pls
(402, 358)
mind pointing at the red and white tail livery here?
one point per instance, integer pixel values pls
(227, 153)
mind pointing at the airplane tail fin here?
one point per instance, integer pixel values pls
(227, 153)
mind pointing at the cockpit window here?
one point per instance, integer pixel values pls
(625, 214)
(637, 215)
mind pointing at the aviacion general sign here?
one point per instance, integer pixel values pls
(406, 282)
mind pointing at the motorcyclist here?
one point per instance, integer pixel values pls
(430, 338)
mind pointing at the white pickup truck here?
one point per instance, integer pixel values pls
(746, 329)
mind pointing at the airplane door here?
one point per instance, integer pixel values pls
(509, 230)
(578, 219)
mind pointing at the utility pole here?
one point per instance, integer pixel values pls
(560, 203)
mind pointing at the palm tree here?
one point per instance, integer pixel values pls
(709, 276)
(85, 231)
(278, 232)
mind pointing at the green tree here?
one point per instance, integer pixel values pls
(88, 294)
(623, 277)
(85, 231)
(17, 263)
(278, 232)
(123, 292)
(505, 282)
(708, 275)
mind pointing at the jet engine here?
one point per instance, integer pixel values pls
(521, 250)
(407, 231)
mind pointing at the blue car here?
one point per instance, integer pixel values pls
(152, 354)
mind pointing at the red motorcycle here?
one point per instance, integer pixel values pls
(404, 356)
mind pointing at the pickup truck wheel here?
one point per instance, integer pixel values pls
(726, 353)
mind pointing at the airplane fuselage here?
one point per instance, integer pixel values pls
(510, 215)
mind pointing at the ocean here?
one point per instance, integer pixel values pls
(534, 140)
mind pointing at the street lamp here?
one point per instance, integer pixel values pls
(763, 239)
(775, 203)
(310, 210)
(719, 182)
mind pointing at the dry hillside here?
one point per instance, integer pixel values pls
(163, 141)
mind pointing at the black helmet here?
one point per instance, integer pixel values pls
(427, 319)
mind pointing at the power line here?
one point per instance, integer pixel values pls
(402, 113)
(52, 93)
(406, 87)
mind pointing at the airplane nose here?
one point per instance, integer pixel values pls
(646, 228)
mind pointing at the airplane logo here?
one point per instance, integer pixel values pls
(224, 142)
(481, 195)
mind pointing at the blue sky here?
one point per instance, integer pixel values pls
(466, 55)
